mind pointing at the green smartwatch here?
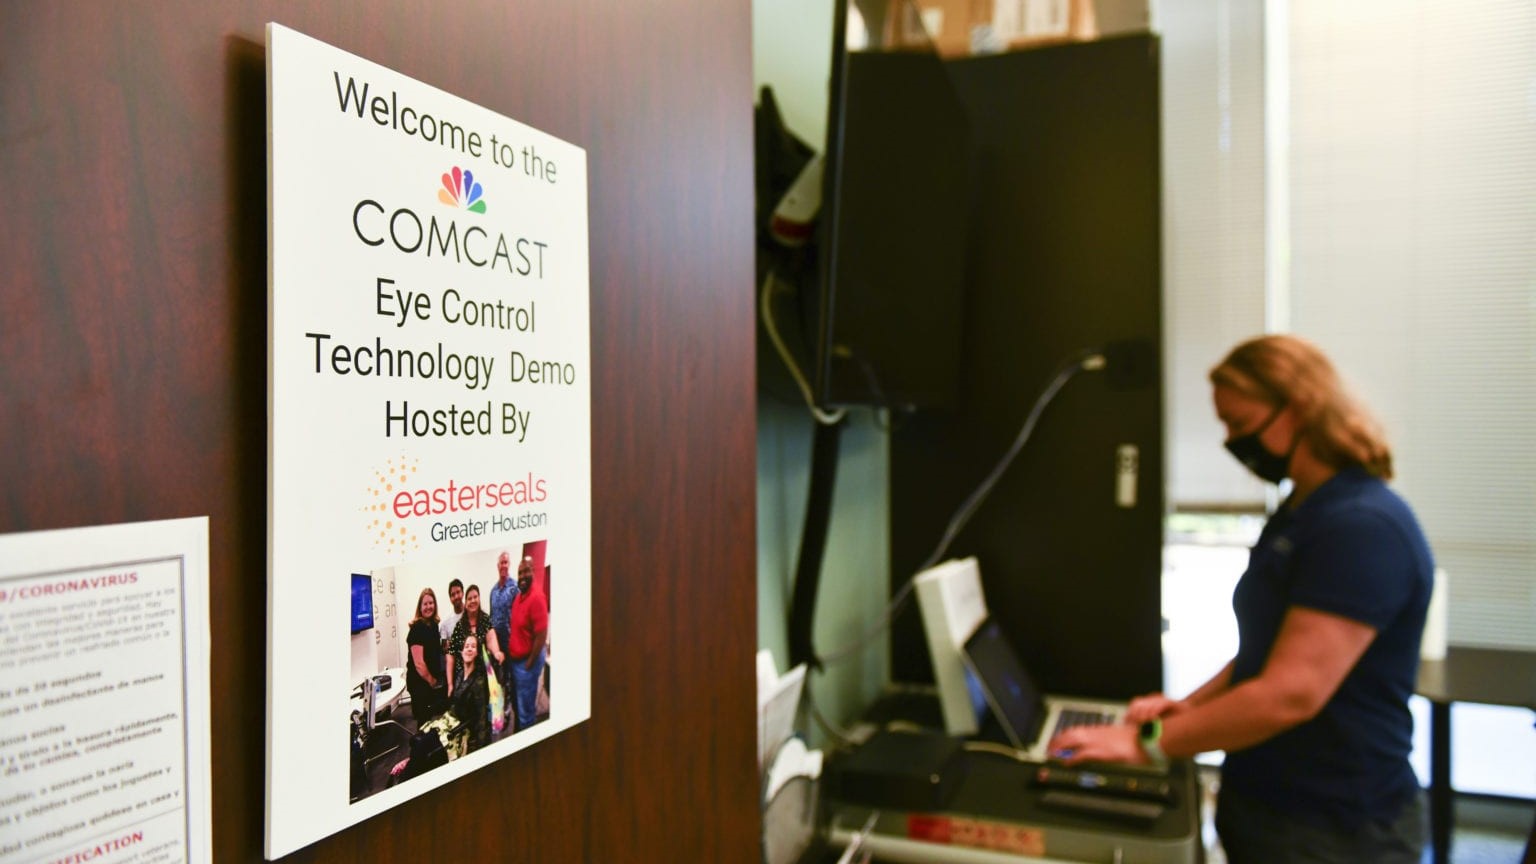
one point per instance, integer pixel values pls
(1149, 735)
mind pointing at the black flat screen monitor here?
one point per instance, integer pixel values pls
(362, 602)
(893, 227)
(1016, 702)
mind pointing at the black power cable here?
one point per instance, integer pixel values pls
(813, 544)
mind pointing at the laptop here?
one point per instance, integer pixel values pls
(1029, 718)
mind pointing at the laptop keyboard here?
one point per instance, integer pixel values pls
(1070, 717)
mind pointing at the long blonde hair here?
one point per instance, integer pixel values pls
(1287, 370)
(419, 598)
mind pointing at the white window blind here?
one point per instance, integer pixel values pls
(1412, 166)
(1213, 229)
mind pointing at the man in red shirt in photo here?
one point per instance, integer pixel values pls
(526, 651)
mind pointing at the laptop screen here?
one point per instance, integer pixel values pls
(1015, 700)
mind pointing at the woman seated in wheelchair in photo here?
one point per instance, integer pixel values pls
(469, 697)
(463, 728)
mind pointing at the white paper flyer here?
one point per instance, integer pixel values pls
(104, 697)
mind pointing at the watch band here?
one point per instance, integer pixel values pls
(1150, 735)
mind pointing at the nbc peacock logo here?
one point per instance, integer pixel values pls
(461, 190)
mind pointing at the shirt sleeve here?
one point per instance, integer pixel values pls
(540, 615)
(1357, 566)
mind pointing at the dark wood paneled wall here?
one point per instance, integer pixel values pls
(133, 370)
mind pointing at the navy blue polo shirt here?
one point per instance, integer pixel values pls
(1352, 548)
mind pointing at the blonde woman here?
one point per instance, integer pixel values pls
(423, 678)
(1313, 709)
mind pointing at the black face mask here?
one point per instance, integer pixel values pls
(1267, 466)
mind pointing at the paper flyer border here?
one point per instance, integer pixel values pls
(52, 554)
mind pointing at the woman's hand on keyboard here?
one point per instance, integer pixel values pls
(1115, 743)
(1144, 708)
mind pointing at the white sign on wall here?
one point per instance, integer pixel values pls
(430, 430)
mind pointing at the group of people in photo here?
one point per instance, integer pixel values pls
(475, 671)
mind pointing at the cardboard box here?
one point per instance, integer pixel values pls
(946, 24)
(957, 28)
(1031, 23)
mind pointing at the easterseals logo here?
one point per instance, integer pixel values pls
(398, 502)
(460, 190)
